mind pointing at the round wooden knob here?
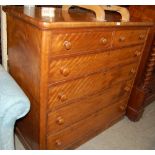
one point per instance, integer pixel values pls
(60, 120)
(67, 45)
(127, 88)
(64, 71)
(133, 70)
(137, 53)
(141, 37)
(62, 97)
(58, 142)
(104, 40)
(121, 39)
(122, 107)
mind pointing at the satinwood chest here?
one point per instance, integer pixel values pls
(78, 74)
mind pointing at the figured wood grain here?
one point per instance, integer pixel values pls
(128, 37)
(86, 64)
(85, 86)
(98, 120)
(84, 41)
(32, 51)
(24, 66)
(70, 114)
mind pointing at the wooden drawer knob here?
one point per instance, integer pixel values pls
(122, 107)
(133, 71)
(67, 45)
(137, 53)
(58, 142)
(64, 71)
(60, 120)
(127, 88)
(141, 37)
(104, 41)
(122, 39)
(62, 97)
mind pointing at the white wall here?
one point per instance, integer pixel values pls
(4, 39)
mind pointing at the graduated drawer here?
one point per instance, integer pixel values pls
(129, 37)
(72, 113)
(77, 42)
(72, 67)
(86, 127)
(69, 91)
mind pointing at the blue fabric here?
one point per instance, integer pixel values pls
(14, 104)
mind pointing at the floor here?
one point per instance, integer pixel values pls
(123, 135)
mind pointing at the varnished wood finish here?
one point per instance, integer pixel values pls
(81, 87)
(76, 72)
(68, 43)
(129, 37)
(69, 67)
(61, 118)
(143, 92)
(79, 20)
(88, 126)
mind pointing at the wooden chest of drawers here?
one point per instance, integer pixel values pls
(78, 75)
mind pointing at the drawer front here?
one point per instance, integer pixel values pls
(77, 42)
(68, 68)
(87, 127)
(61, 94)
(72, 113)
(129, 37)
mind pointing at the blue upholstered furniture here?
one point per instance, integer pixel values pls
(13, 105)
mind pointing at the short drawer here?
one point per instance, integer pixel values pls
(129, 37)
(87, 127)
(69, 91)
(72, 67)
(72, 113)
(77, 42)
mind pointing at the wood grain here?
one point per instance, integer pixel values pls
(68, 68)
(75, 72)
(70, 114)
(128, 37)
(98, 120)
(81, 41)
(86, 86)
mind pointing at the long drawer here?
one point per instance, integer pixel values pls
(100, 120)
(61, 94)
(72, 67)
(72, 113)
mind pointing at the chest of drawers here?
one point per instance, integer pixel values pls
(77, 75)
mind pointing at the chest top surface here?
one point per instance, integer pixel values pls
(62, 19)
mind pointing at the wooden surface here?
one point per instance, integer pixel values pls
(64, 20)
(143, 92)
(100, 11)
(78, 79)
